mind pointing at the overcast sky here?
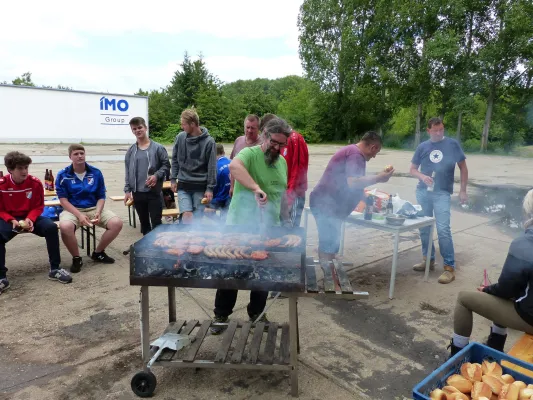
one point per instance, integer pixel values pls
(121, 46)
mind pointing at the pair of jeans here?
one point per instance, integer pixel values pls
(297, 209)
(437, 203)
(225, 300)
(149, 207)
(43, 227)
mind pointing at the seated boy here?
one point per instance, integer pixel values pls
(81, 191)
(21, 205)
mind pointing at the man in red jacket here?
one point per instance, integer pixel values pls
(21, 206)
(296, 155)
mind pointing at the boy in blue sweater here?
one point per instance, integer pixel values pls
(81, 191)
(221, 198)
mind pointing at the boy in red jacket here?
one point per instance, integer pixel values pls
(21, 206)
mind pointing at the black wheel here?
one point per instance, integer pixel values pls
(143, 384)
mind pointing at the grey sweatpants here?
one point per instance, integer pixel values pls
(500, 311)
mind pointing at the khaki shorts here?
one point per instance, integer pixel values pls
(105, 216)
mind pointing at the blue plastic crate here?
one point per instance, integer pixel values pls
(473, 353)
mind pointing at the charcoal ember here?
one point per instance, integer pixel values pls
(241, 274)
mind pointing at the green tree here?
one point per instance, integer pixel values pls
(506, 42)
(23, 80)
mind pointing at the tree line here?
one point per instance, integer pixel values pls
(384, 65)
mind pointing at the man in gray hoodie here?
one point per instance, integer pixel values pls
(194, 165)
(147, 167)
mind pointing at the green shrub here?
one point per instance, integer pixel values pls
(472, 145)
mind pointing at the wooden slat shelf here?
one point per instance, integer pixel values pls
(238, 333)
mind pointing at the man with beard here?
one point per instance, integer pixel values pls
(260, 183)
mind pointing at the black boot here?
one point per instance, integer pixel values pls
(496, 341)
(453, 349)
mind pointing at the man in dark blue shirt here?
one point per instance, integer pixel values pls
(436, 159)
(81, 191)
(221, 198)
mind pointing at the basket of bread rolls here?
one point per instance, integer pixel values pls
(476, 373)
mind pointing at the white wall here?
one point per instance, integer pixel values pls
(31, 115)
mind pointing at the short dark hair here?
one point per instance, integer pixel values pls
(75, 147)
(277, 125)
(138, 121)
(14, 158)
(434, 121)
(220, 149)
(265, 119)
(251, 117)
(372, 137)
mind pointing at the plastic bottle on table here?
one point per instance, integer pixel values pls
(432, 186)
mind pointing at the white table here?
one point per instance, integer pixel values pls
(380, 224)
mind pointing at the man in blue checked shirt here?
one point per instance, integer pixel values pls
(81, 191)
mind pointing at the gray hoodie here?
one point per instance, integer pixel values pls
(158, 165)
(194, 160)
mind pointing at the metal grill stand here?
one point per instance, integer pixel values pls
(282, 357)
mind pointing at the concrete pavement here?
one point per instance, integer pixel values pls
(82, 340)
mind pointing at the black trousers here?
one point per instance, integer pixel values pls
(149, 207)
(225, 301)
(43, 227)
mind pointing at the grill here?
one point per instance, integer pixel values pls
(283, 270)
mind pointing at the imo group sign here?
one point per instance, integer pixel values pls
(115, 109)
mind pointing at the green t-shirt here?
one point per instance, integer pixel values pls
(272, 179)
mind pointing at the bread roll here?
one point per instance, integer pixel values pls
(513, 391)
(388, 168)
(481, 389)
(458, 396)
(494, 383)
(520, 384)
(438, 394)
(449, 390)
(472, 372)
(507, 378)
(525, 394)
(491, 368)
(205, 200)
(23, 224)
(460, 383)
(129, 202)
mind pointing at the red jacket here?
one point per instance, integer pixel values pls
(21, 201)
(297, 157)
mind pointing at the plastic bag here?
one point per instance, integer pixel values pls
(397, 203)
(52, 212)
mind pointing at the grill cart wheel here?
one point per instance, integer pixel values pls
(143, 384)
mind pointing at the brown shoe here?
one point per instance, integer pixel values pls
(448, 275)
(422, 266)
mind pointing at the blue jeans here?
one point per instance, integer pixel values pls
(437, 203)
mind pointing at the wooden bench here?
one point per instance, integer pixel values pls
(523, 350)
(52, 203)
(86, 234)
(171, 212)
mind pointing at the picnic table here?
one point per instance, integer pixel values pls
(356, 218)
